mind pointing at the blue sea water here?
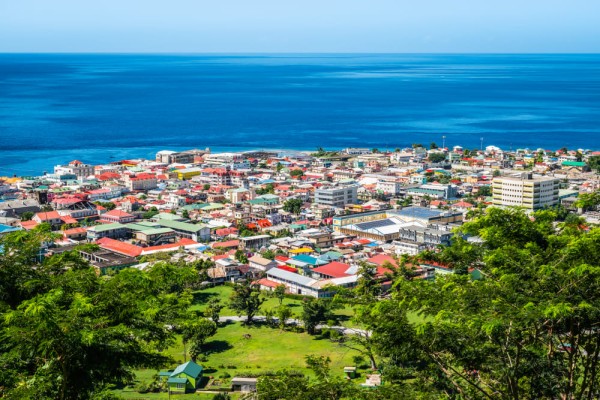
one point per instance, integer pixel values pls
(101, 107)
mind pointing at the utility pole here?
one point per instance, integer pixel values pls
(481, 147)
(443, 142)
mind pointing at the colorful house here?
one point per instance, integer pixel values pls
(184, 378)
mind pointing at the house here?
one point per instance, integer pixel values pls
(243, 384)
(186, 377)
(261, 263)
(118, 216)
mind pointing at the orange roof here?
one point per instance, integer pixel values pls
(117, 246)
(74, 231)
(46, 215)
(28, 225)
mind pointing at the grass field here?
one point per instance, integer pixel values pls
(268, 349)
(201, 298)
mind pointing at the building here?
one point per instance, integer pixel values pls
(185, 378)
(260, 263)
(113, 231)
(118, 216)
(526, 191)
(143, 181)
(175, 157)
(437, 191)
(188, 173)
(197, 232)
(254, 242)
(77, 168)
(337, 196)
(156, 236)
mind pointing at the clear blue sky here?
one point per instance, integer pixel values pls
(299, 26)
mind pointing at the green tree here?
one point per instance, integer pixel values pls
(296, 173)
(594, 163)
(213, 310)
(283, 314)
(196, 333)
(241, 256)
(433, 146)
(246, 300)
(27, 216)
(279, 293)
(293, 206)
(185, 214)
(436, 157)
(315, 312)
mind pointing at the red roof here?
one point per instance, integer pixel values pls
(268, 283)
(28, 225)
(118, 214)
(169, 246)
(381, 259)
(334, 269)
(228, 243)
(44, 216)
(74, 231)
(67, 219)
(117, 246)
(288, 268)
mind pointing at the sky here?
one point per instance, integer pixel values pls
(300, 26)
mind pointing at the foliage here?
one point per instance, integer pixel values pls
(594, 163)
(296, 173)
(269, 188)
(436, 157)
(293, 206)
(246, 300)
(27, 216)
(279, 293)
(195, 333)
(241, 256)
(283, 314)
(213, 310)
(109, 205)
(150, 213)
(315, 312)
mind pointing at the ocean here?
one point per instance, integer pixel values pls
(102, 107)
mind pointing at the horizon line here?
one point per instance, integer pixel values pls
(190, 53)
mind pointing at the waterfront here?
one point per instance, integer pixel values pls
(97, 108)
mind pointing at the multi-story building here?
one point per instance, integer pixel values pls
(337, 196)
(77, 168)
(143, 181)
(438, 191)
(525, 191)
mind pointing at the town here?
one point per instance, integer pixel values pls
(303, 221)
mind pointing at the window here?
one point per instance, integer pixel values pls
(181, 386)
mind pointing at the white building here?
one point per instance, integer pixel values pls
(525, 191)
(337, 196)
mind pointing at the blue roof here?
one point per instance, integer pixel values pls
(8, 228)
(419, 212)
(309, 260)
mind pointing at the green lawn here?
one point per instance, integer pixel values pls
(268, 349)
(201, 298)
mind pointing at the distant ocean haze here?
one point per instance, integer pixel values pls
(102, 107)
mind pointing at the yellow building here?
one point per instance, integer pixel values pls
(188, 173)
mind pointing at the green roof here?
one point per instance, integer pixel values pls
(177, 380)
(168, 216)
(182, 226)
(107, 227)
(157, 231)
(190, 368)
(142, 226)
(573, 163)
